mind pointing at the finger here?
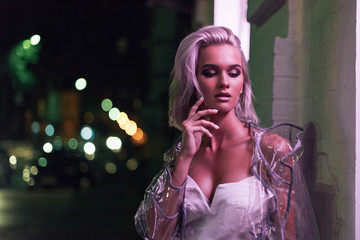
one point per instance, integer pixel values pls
(206, 123)
(205, 112)
(203, 130)
(195, 107)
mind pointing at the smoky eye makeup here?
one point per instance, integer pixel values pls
(208, 72)
(211, 70)
(234, 72)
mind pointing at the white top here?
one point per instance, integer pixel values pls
(233, 213)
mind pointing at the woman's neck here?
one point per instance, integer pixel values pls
(230, 128)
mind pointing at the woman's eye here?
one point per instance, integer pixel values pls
(209, 73)
(234, 73)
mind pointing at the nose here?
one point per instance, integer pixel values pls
(223, 81)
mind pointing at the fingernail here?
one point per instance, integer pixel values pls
(216, 126)
(215, 109)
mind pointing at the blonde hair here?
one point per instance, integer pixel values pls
(184, 86)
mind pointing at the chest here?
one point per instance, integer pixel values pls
(234, 213)
(231, 164)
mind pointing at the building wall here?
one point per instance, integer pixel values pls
(313, 84)
(328, 107)
(261, 62)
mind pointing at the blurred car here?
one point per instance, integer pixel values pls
(60, 168)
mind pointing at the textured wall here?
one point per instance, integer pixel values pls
(328, 108)
(313, 84)
(261, 62)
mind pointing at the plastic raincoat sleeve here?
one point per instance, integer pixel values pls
(277, 167)
(160, 212)
(276, 174)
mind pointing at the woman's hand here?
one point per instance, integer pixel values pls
(194, 127)
(192, 130)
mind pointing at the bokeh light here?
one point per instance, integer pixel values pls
(57, 143)
(26, 174)
(80, 84)
(35, 39)
(132, 164)
(73, 143)
(12, 160)
(26, 44)
(122, 120)
(48, 147)
(130, 128)
(106, 104)
(20, 59)
(114, 143)
(139, 135)
(110, 168)
(89, 148)
(87, 133)
(34, 170)
(114, 113)
(49, 130)
(42, 162)
(35, 127)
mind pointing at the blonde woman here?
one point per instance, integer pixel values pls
(227, 178)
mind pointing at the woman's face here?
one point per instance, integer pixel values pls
(220, 76)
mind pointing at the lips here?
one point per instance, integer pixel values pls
(223, 96)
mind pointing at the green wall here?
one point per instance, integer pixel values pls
(261, 62)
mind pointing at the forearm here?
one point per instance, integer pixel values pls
(181, 170)
(159, 212)
(170, 201)
(163, 214)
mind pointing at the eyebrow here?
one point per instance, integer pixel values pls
(213, 65)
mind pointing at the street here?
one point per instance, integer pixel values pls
(102, 212)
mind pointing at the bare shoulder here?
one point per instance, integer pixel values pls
(274, 143)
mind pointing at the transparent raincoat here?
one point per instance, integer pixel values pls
(278, 207)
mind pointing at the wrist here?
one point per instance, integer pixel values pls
(180, 170)
(176, 186)
(184, 156)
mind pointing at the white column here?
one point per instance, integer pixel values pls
(232, 14)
